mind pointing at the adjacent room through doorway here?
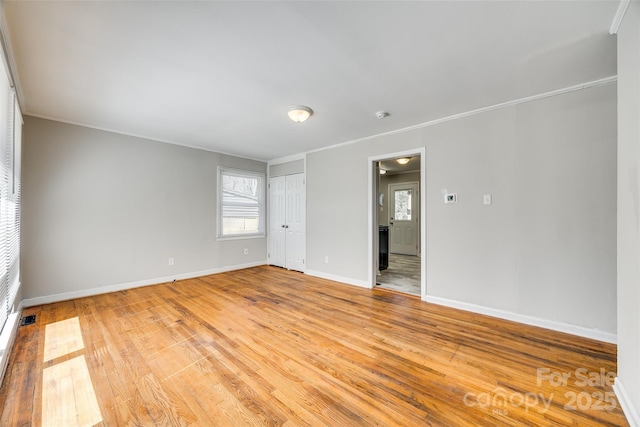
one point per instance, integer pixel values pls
(399, 224)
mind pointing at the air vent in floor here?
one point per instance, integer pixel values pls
(28, 320)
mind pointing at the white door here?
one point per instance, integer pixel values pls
(404, 218)
(287, 221)
(277, 221)
(296, 221)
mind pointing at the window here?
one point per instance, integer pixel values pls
(241, 203)
(403, 205)
(10, 148)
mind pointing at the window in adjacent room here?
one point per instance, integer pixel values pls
(403, 205)
(240, 203)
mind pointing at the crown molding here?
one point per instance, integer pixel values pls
(617, 19)
(562, 91)
(139, 136)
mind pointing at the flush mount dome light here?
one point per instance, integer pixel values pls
(403, 160)
(383, 172)
(299, 113)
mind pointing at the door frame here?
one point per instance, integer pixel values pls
(373, 215)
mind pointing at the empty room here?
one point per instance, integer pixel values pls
(319, 213)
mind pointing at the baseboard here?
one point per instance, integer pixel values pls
(7, 337)
(630, 411)
(48, 299)
(594, 334)
(341, 279)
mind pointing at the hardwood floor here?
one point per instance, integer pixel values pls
(265, 346)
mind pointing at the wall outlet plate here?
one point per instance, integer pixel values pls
(451, 198)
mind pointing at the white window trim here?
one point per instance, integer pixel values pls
(261, 203)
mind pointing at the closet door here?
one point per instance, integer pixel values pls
(277, 221)
(296, 221)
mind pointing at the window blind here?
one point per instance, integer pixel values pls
(241, 211)
(10, 156)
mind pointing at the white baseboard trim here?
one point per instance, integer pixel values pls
(7, 337)
(48, 299)
(630, 411)
(581, 331)
(341, 279)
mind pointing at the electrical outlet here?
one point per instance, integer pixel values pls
(172, 261)
(451, 198)
(246, 251)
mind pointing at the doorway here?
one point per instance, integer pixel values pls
(397, 219)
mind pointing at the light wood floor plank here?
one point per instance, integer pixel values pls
(62, 338)
(265, 346)
(68, 397)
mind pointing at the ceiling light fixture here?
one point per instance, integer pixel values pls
(383, 172)
(403, 160)
(299, 113)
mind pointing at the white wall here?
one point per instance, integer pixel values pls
(103, 209)
(546, 248)
(628, 381)
(287, 168)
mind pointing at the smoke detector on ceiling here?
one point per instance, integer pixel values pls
(382, 114)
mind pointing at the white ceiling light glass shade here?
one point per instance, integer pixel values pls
(403, 160)
(299, 113)
(383, 172)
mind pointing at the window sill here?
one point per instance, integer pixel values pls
(241, 237)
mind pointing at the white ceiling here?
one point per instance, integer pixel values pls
(220, 75)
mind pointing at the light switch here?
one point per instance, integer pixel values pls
(487, 199)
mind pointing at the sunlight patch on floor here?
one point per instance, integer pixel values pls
(68, 397)
(62, 338)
